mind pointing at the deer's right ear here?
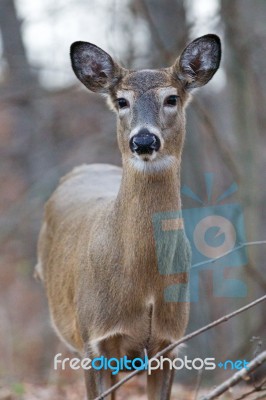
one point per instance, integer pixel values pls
(94, 67)
(199, 61)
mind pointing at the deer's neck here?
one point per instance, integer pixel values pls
(142, 194)
(140, 197)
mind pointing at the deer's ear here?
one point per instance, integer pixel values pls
(199, 61)
(94, 67)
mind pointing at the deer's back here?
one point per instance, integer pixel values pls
(80, 197)
(83, 186)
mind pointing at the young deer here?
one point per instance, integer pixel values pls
(98, 252)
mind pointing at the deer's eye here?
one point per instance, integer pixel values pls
(171, 100)
(122, 103)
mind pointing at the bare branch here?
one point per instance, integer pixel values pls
(240, 246)
(260, 397)
(259, 327)
(237, 377)
(221, 146)
(183, 340)
(257, 388)
(251, 270)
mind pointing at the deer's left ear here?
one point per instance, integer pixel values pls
(199, 61)
(94, 67)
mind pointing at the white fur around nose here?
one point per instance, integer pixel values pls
(156, 164)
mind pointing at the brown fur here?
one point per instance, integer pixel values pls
(97, 251)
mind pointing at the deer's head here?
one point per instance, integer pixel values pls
(150, 104)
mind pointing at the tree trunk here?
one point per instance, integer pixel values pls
(19, 71)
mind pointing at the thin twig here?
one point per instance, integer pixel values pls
(257, 388)
(245, 395)
(240, 246)
(183, 340)
(221, 146)
(242, 347)
(260, 397)
(237, 377)
(250, 268)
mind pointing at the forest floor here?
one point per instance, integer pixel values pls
(132, 390)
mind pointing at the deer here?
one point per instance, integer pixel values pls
(97, 249)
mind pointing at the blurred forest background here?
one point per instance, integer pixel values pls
(49, 124)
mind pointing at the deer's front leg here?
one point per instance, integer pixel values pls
(97, 382)
(159, 383)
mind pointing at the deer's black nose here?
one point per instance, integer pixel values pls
(144, 142)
